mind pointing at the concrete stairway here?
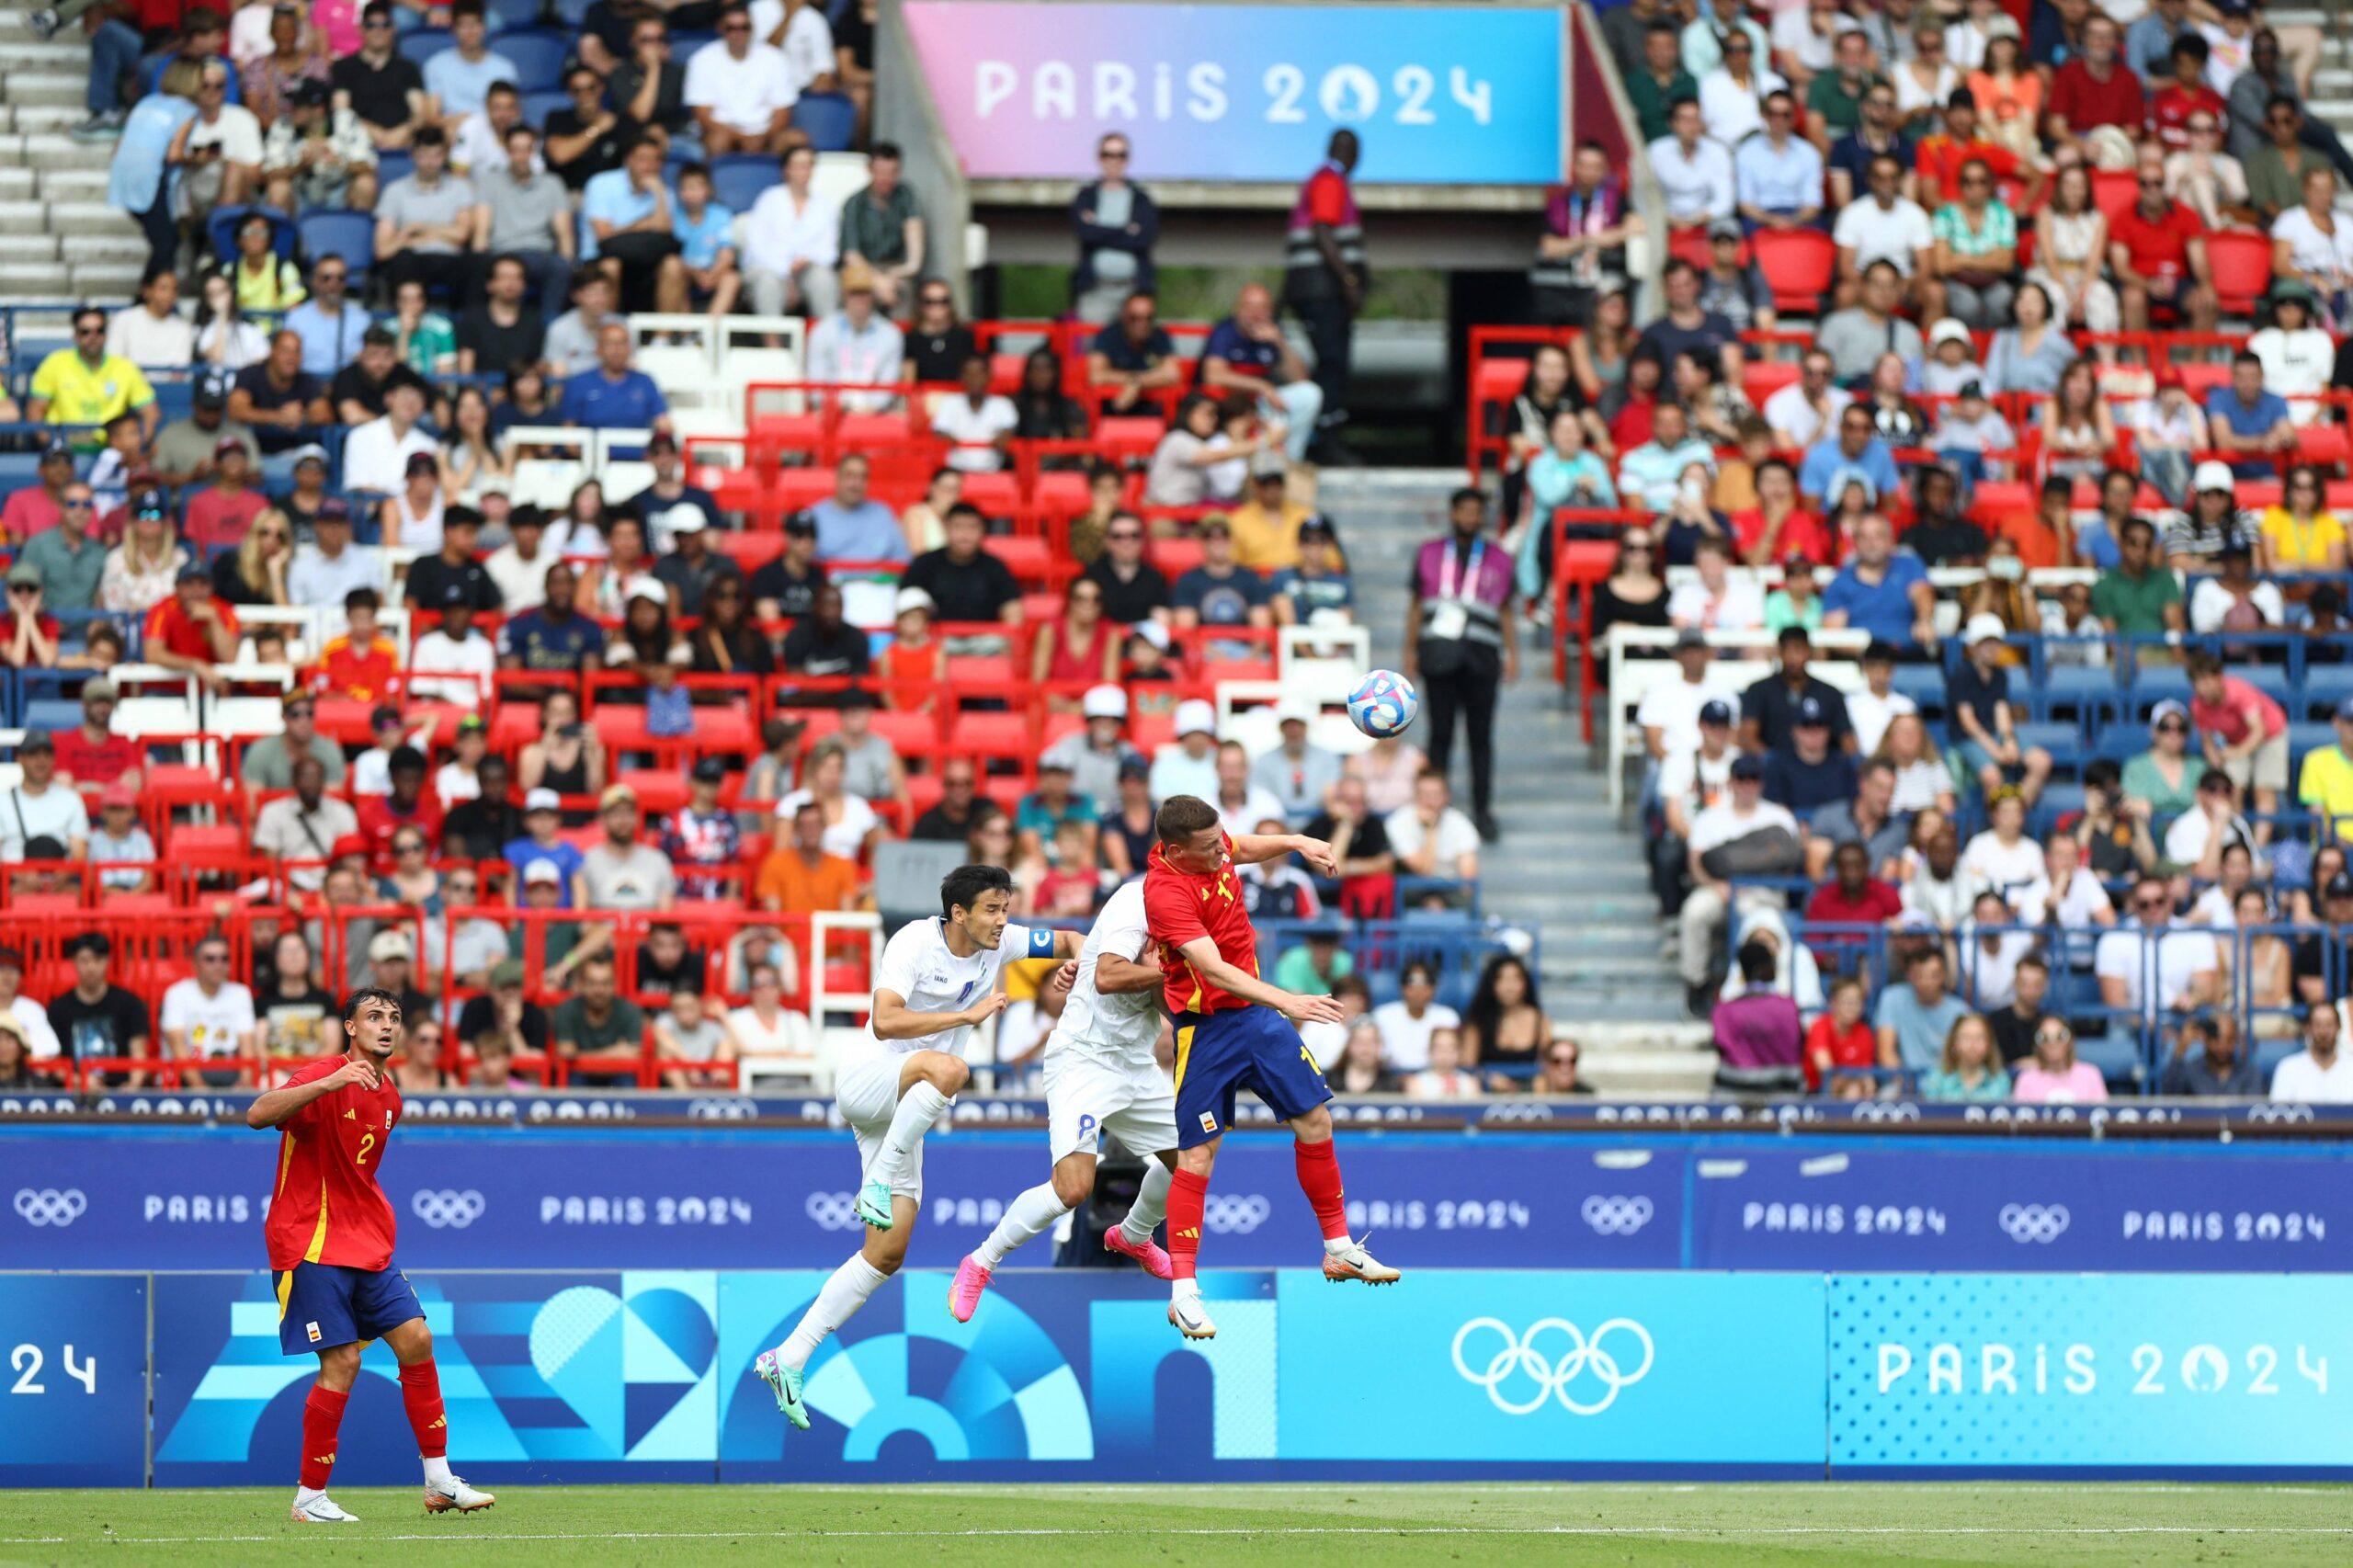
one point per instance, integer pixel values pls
(59, 237)
(1565, 869)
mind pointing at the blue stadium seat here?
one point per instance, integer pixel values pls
(1923, 684)
(2063, 741)
(684, 42)
(2153, 684)
(830, 119)
(222, 230)
(571, 13)
(2325, 686)
(510, 16)
(393, 165)
(351, 235)
(18, 470)
(2077, 689)
(2269, 679)
(737, 178)
(2058, 801)
(424, 43)
(49, 715)
(538, 57)
(536, 107)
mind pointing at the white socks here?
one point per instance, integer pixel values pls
(837, 1304)
(1030, 1214)
(436, 1470)
(919, 1108)
(1152, 1203)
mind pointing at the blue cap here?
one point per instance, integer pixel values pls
(1811, 712)
(1748, 764)
(1715, 710)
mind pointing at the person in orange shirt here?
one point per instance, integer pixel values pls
(800, 878)
(193, 631)
(361, 666)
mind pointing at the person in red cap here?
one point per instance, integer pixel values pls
(219, 513)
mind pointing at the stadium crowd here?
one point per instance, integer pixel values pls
(2045, 481)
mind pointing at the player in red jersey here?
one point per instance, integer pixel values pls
(330, 1238)
(1234, 1030)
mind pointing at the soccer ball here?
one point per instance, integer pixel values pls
(1382, 704)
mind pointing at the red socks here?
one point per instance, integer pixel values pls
(1188, 1194)
(1319, 1177)
(322, 1418)
(421, 1392)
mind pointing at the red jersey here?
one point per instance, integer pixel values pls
(1179, 907)
(2159, 246)
(326, 1207)
(2170, 110)
(169, 626)
(380, 818)
(357, 675)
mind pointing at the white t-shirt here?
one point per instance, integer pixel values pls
(1405, 1038)
(140, 338)
(2072, 909)
(808, 43)
(1259, 803)
(1870, 714)
(1992, 978)
(2295, 364)
(2186, 840)
(845, 838)
(442, 669)
(237, 133)
(1918, 784)
(56, 813)
(781, 231)
(522, 585)
(33, 1019)
(1740, 607)
(452, 784)
(1721, 825)
(1456, 835)
(1991, 864)
(2181, 953)
(1118, 1032)
(1894, 235)
(741, 94)
(1792, 417)
(2309, 250)
(216, 1024)
(918, 968)
(2209, 602)
(790, 1037)
(955, 419)
(2302, 1081)
(1672, 708)
(1680, 772)
(374, 459)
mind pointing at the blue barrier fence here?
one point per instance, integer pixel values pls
(580, 1377)
(508, 1198)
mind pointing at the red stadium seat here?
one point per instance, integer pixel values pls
(2242, 269)
(1799, 264)
(1760, 378)
(1690, 244)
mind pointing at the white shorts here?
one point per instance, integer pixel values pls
(1086, 1099)
(867, 1092)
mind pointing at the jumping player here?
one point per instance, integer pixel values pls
(938, 979)
(330, 1237)
(1234, 1030)
(1100, 1078)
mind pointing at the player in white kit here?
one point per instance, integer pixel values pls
(938, 979)
(1101, 1078)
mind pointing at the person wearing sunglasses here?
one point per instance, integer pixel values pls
(2157, 250)
(84, 384)
(2162, 782)
(1115, 223)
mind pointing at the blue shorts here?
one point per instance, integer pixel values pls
(1253, 1047)
(323, 1304)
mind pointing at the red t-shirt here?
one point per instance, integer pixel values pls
(29, 511)
(379, 819)
(2169, 112)
(1939, 159)
(2226, 719)
(47, 625)
(1179, 907)
(89, 762)
(2085, 101)
(357, 675)
(216, 519)
(168, 627)
(1326, 197)
(1856, 1047)
(2158, 247)
(1802, 534)
(1878, 905)
(326, 1207)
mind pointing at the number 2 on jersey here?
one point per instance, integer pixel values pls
(367, 1143)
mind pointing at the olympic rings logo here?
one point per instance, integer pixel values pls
(1521, 1363)
(1228, 1214)
(447, 1210)
(49, 1205)
(2032, 1222)
(1616, 1216)
(832, 1211)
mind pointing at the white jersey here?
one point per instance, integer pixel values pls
(1119, 1030)
(917, 965)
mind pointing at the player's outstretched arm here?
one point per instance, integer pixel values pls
(1202, 954)
(279, 1105)
(892, 1020)
(1250, 848)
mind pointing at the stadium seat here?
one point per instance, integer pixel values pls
(1798, 264)
(2241, 264)
(221, 230)
(2114, 191)
(512, 16)
(536, 107)
(351, 235)
(2325, 686)
(738, 178)
(829, 119)
(537, 58)
(392, 166)
(423, 43)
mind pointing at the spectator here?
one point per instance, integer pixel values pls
(209, 1017)
(1298, 774)
(792, 244)
(524, 217)
(1917, 1015)
(2302, 534)
(1736, 837)
(1187, 765)
(2316, 1074)
(1096, 755)
(2243, 733)
(959, 807)
(1883, 592)
(937, 344)
(688, 1030)
(28, 633)
(627, 224)
(1855, 897)
(1779, 173)
(1689, 780)
(2183, 962)
(882, 230)
(1133, 356)
(1445, 1078)
(1694, 172)
(426, 219)
(1841, 1051)
(740, 89)
(1429, 838)
(41, 808)
(821, 643)
(1408, 1023)
(2198, 836)
(597, 1023)
(191, 631)
(1241, 803)
(1316, 590)
(86, 385)
(1246, 353)
(1978, 693)
(153, 332)
(380, 456)
(978, 424)
(383, 87)
(91, 756)
(1315, 965)
(615, 395)
(1220, 591)
(219, 152)
(851, 826)
(1855, 449)
(503, 1021)
(1803, 410)
(2055, 1076)
(621, 871)
(857, 346)
(1360, 1068)
(1116, 224)
(1770, 707)
(268, 764)
(966, 583)
(1715, 600)
(1809, 774)
(96, 1021)
(406, 803)
(1507, 1028)
(1888, 226)
(800, 877)
(1199, 461)
(1759, 1039)
(2216, 1069)
(1134, 589)
(1968, 1069)
(586, 138)
(1325, 275)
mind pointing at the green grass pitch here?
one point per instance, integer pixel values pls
(1617, 1523)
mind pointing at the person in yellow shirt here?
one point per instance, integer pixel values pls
(86, 385)
(2325, 783)
(2301, 534)
(1266, 526)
